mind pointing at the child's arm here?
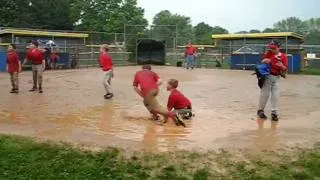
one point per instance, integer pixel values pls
(170, 103)
(138, 91)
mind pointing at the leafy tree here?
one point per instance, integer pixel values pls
(183, 23)
(203, 32)
(269, 30)
(291, 24)
(36, 14)
(254, 31)
(107, 16)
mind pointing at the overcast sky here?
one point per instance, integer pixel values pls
(234, 15)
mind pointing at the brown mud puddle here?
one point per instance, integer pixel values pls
(72, 109)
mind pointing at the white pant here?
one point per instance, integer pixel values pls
(107, 81)
(270, 87)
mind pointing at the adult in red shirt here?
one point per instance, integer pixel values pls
(146, 83)
(177, 101)
(36, 56)
(13, 67)
(279, 65)
(107, 67)
(190, 55)
(53, 59)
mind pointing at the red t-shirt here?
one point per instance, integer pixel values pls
(13, 62)
(177, 100)
(190, 51)
(275, 69)
(54, 57)
(35, 56)
(105, 61)
(147, 80)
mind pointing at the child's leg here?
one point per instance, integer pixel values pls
(16, 80)
(12, 81)
(107, 82)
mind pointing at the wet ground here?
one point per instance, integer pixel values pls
(72, 109)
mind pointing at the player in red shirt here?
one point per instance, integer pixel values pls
(13, 67)
(177, 102)
(279, 65)
(107, 67)
(146, 83)
(190, 55)
(36, 56)
(53, 59)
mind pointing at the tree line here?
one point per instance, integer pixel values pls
(110, 16)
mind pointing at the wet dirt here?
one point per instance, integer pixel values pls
(72, 109)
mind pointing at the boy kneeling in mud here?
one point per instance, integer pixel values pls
(177, 102)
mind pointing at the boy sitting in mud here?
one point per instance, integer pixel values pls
(177, 102)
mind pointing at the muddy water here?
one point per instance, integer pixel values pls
(72, 109)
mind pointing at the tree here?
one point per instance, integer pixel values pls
(254, 31)
(107, 16)
(269, 30)
(242, 32)
(36, 14)
(203, 32)
(183, 23)
(291, 24)
(219, 30)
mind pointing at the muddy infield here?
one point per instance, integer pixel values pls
(72, 109)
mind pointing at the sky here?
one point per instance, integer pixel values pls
(234, 15)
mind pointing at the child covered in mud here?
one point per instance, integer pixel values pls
(146, 83)
(13, 67)
(177, 102)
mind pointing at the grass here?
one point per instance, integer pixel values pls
(23, 158)
(311, 71)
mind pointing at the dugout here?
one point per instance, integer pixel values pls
(63, 41)
(150, 51)
(233, 44)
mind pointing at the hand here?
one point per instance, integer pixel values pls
(266, 61)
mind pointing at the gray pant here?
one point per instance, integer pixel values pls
(37, 72)
(14, 78)
(107, 81)
(270, 87)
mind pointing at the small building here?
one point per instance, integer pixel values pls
(256, 42)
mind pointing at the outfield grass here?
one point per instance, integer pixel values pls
(22, 158)
(311, 71)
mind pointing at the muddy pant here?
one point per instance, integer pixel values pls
(14, 78)
(107, 81)
(270, 86)
(190, 61)
(151, 103)
(37, 71)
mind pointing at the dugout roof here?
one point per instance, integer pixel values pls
(258, 36)
(23, 32)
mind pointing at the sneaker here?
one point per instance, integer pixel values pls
(274, 117)
(261, 114)
(33, 89)
(40, 91)
(179, 121)
(13, 91)
(108, 96)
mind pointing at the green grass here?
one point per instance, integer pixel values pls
(22, 158)
(311, 71)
